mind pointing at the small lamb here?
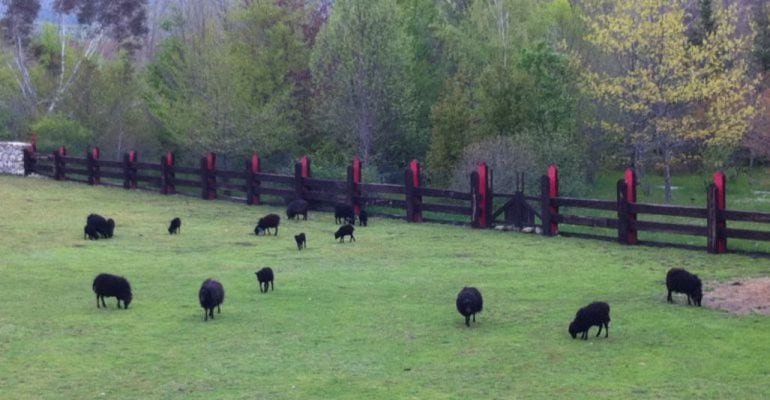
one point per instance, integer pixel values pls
(265, 277)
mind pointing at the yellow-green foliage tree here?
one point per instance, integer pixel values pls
(667, 92)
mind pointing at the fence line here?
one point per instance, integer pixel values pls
(477, 205)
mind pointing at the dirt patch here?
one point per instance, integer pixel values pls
(741, 296)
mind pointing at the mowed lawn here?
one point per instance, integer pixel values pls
(372, 319)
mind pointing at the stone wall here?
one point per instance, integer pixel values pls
(12, 157)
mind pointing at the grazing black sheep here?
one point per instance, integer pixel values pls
(363, 218)
(681, 281)
(105, 227)
(175, 226)
(300, 239)
(265, 223)
(90, 232)
(469, 302)
(296, 208)
(265, 277)
(344, 214)
(211, 295)
(596, 313)
(108, 285)
(345, 230)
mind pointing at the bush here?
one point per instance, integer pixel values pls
(505, 157)
(57, 129)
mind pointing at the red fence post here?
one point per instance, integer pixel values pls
(208, 176)
(414, 166)
(252, 183)
(92, 157)
(630, 179)
(29, 161)
(721, 204)
(129, 170)
(484, 203)
(59, 166)
(168, 176)
(355, 189)
(553, 191)
(305, 162)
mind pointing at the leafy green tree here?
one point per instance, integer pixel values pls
(668, 92)
(452, 120)
(361, 65)
(230, 91)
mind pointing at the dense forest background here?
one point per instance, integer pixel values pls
(663, 85)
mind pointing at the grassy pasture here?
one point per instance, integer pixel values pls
(373, 319)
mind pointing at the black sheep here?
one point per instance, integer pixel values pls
(108, 285)
(596, 313)
(105, 227)
(345, 230)
(469, 302)
(344, 213)
(300, 239)
(681, 281)
(265, 277)
(363, 218)
(90, 232)
(211, 295)
(175, 226)
(265, 223)
(296, 208)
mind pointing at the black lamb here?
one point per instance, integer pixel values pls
(344, 213)
(108, 285)
(265, 223)
(296, 208)
(175, 226)
(345, 230)
(211, 295)
(363, 218)
(105, 227)
(681, 281)
(90, 232)
(265, 277)
(469, 302)
(301, 242)
(596, 313)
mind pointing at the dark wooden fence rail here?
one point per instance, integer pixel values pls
(476, 207)
(252, 185)
(627, 222)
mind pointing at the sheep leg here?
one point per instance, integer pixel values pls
(585, 335)
(688, 300)
(97, 301)
(670, 300)
(352, 238)
(103, 303)
(219, 311)
(606, 330)
(600, 330)
(276, 231)
(467, 321)
(272, 288)
(474, 317)
(118, 304)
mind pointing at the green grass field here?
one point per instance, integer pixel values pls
(373, 319)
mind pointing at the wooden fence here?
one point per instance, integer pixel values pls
(627, 213)
(475, 207)
(251, 185)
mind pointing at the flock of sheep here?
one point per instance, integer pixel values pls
(469, 301)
